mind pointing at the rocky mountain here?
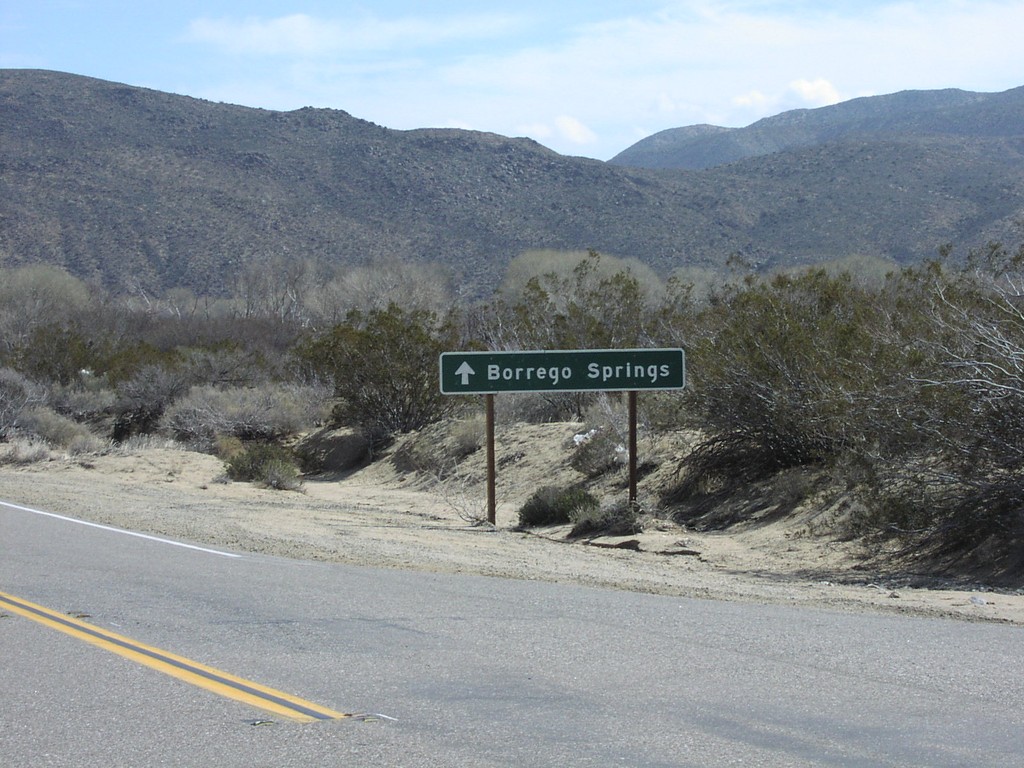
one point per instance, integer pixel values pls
(905, 115)
(139, 188)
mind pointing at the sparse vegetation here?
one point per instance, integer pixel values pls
(903, 393)
(58, 431)
(266, 464)
(22, 450)
(384, 369)
(552, 505)
(269, 412)
(618, 519)
(597, 451)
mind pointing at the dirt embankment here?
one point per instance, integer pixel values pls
(381, 517)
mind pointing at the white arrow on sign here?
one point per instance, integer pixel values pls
(465, 372)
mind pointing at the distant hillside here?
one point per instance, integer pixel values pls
(136, 187)
(917, 114)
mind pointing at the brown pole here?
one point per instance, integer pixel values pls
(490, 460)
(632, 448)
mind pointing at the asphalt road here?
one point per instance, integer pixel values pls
(473, 671)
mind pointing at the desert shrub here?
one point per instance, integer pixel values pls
(601, 446)
(421, 454)
(142, 399)
(332, 450)
(17, 393)
(121, 360)
(541, 407)
(597, 451)
(468, 436)
(34, 296)
(962, 482)
(150, 387)
(267, 464)
(666, 411)
(377, 284)
(90, 400)
(56, 353)
(572, 301)
(227, 446)
(551, 505)
(24, 450)
(225, 364)
(620, 519)
(384, 369)
(58, 430)
(437, 449)
(791, 371)
(140, 443)
(264, 413)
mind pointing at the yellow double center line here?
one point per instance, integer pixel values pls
(190, 671)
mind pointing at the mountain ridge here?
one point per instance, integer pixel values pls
(142, 189)
(907, 112)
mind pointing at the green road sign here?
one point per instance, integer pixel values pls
(603, 370)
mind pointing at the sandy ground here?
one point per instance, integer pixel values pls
(380, 517)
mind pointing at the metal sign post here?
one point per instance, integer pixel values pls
(491, 497)
(583, 370)
(632, 447)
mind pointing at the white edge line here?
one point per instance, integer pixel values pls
(119, 530)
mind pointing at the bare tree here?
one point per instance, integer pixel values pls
(373, 287)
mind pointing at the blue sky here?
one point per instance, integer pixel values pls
(584, 77)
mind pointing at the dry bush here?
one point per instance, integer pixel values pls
(373, 287)
(619, 519)
(17, 393)
(89, 401)
(462, 492)
(140, 443)
(665, 411)
(34, 296)
(598, 451)
(468, 435)
(59, 431)
(552, 505)
(437, 449)
(267, 465)
(426, 452)
(332, 450)
(582, 270)
(143, 399)
(24, 450)
(541, 407)
(586, 301)
(384, 369)
(227, 446)
(267, 412)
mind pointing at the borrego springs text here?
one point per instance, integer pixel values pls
(595, 373)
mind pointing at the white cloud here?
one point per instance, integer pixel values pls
(303, 35)
(753, 99)
(574, 131)
(297, 34)
(817, 93)
(564, 128)
(726, 62)
(539, 131)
